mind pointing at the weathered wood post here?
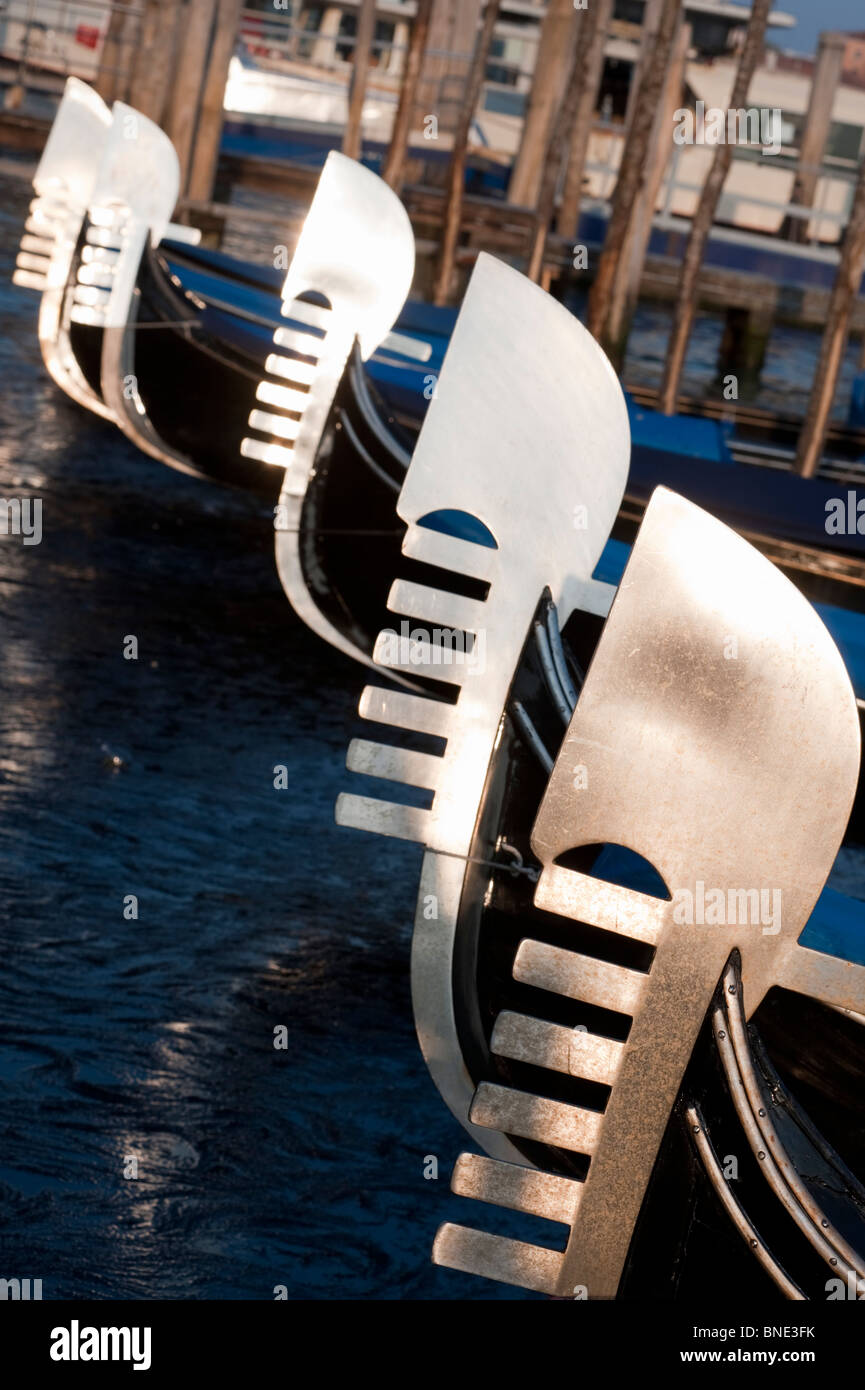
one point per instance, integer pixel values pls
(827, 74)
(453, 30)
(111, 80)
(17, 90)
(632, 170)
(352, 140)
(394, 164)
(568, 221)
(841, 301)
(205, 153)
(153, 68)
(686, 299)
(189, 81)
(577, 54)
(553, 70)
(626, 289)
(457, 172)
(648, 32)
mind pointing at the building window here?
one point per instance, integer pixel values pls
(844, 141)
(615, 85)
(381, 44)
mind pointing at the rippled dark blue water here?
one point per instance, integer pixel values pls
(153, 1039)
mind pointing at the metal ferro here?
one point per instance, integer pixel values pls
(348, 279)
(736, 773)
(63, 182)
(544, 471)
(134, 196)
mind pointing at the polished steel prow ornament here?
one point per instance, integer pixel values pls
(717, 736)
(348, 279)
(526, 437)
(63, 182)
(133, 198)
(76, 167)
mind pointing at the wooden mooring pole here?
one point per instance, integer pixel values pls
(205, 152)
(115, 65)
(568, 220)
(457, 172)
(553, 72)
(701, 225)
(352, 140)
(578, 55)
(153, 67)
(189, 81)
(626, 287)
(632, 170)
(393, 169)
(841, 302)
(815, 132)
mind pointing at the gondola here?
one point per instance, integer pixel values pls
(749, 484)
(784, 515)
(186, 357)
(607, 751)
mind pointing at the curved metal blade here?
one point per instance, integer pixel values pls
(64, 182)
(528, 433)
(717, 736)
(356, 250)
(68, 162)
(135, 193)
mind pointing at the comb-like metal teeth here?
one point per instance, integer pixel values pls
(37, 224)
(534, 1117)
(313, 315)
(449, 552)
(282, 426)
(28, 279)
(277, 454)
(98, 274)
(104, 237)
(100, 255)
(520, 1189)
(283, 397)
(405, 711)
(497, 1257)
(393, 764)
(573, 1051)
(295, 340)
(579, 977)
(25, 260)
(382, 817)
(290, 369)
(600, 904)
(413, 655)
(37, 245)
(88, 317)
(93, 296)
(435, 606)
